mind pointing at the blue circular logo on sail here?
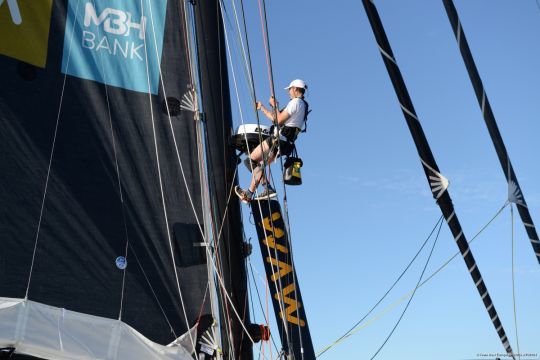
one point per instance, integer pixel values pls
(121, 262)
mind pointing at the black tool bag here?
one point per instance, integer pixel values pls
(292, 174)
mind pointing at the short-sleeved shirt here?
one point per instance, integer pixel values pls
(296, 108)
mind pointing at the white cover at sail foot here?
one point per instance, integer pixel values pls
(54, 333)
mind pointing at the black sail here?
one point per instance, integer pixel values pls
(514, 189)
(97, 171)
(436, 181)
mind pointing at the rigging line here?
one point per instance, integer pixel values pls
(117, 167)
(265, 312)
(153, 292)
(209, 254)
(162, 82)
(184, 14)
(262, 11)
(191, 41)
(439, 221)
(120, 189)
(212, 209)
(392, 306)
(250, 67)
(538, 4)
(280, 301)
(245, 49)
(52, 154)
(250, 81)
(266, 40)
(120, 192)
(514, 279)
(412, 296)
(277, 285)
(166, 218)
(469, 242)
(220, 281)
(239, 105)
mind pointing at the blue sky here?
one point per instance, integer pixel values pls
(365, 206)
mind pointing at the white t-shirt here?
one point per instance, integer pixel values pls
(296, 108)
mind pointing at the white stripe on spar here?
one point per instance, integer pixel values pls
(478, 282)
(386, 55)
(450, 217)
(472, 268)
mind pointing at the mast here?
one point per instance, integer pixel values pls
(437, 182)
(515, 192)
(221, 165)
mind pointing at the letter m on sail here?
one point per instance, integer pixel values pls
(90, 15)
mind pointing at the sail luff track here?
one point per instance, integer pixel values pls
(436, 181)
(491, 124)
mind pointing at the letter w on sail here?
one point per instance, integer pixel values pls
(14, 11)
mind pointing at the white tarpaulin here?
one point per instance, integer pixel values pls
(53, 333)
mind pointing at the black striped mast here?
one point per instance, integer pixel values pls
(515, 194)
(437, 182)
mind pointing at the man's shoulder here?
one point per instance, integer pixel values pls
(296, 102)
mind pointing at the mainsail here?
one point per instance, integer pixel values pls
(103, 221)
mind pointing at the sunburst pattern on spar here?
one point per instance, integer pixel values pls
(438, 183)
(515, 194)
(188, 101)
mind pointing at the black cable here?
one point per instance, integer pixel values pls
(412, 296)
(438, 223)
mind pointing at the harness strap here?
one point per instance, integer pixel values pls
(305, 114)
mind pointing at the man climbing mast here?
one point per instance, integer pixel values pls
(290, 121)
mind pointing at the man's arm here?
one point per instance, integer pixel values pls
(282, 116)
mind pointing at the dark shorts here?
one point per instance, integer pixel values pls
(285, 148)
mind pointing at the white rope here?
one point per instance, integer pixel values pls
(244, 55)
(280, 300)
(103, 74)
(52, 153)
(158, 61)
(514, 280)
(159, 175)
(219, 277)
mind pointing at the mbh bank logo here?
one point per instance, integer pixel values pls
(24, 29)
(115, 42)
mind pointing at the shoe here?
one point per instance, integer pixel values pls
(267, 193)
(244, 195)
